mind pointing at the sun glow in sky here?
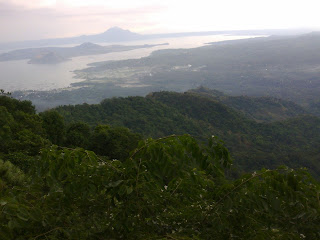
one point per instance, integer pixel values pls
(36, 19)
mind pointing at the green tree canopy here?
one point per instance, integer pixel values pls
(169, 188)
(54, 126)
(78, 135)
(114, 142)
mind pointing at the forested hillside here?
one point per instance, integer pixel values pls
(260, 109)
(133, 187)
(294, 142)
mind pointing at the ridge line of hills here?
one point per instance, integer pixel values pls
(293, 141)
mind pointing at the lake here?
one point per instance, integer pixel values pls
(19, 75)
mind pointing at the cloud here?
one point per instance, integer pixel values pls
(33, 19)
(30, 4)
(8, 9)
(33, 22)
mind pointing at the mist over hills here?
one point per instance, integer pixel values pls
(285, 67)
(116, 34)
(281, 67)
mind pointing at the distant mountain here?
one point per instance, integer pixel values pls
(116, 34)
(89, 45)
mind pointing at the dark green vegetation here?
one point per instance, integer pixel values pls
(260, 109)
(277, 67)
(23, 134)
(169, 188)
(294, 142)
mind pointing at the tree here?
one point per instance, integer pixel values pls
(168, 188)
(54, 126)
(6, 123)
(114, 142)
(78, 135)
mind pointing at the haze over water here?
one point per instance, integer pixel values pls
(19, 75)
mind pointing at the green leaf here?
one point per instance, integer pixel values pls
(3, 202)
(22, 217)
(35, 214)
(129, 190)
(115, 184)
(5, 234)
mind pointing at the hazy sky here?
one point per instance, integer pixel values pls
(36, 19)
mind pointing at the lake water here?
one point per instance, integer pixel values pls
(19, 75)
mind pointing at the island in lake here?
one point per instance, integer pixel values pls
(52, 55)
(47, 58)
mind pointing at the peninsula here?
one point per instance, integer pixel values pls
(52, 55)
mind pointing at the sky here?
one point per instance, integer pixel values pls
(39, 19)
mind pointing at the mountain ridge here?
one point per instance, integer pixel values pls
(260, 109)
(293, 142)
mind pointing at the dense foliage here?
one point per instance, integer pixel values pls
(167, 188)
(23, 133)
(294, 142)
(260, 109)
